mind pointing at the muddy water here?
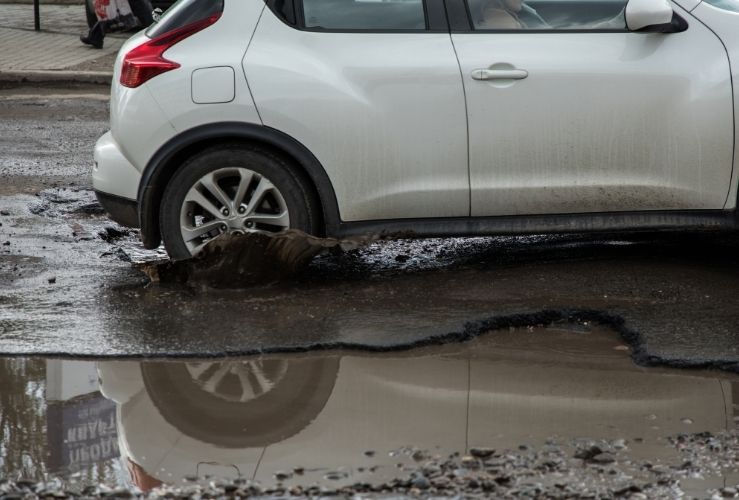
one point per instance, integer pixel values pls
(246, 260)
(534, 396)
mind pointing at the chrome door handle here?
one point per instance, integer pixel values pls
(499, 74)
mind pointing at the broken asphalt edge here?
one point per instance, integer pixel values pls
(470, 330)
(56, 76)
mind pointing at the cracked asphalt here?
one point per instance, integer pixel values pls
(68, 286)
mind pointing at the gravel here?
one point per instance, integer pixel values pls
(552, 471)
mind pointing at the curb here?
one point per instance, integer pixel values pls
(60, 76)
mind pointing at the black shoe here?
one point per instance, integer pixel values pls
(86, 40)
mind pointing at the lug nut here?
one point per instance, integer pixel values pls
(242, 209)
(225, 212)
(249, 224)
(224, 227)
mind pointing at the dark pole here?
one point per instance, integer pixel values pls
(36, 18)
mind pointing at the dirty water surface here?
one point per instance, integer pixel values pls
(78, 284)
(542, 365)
(74, 283)
(558, 412)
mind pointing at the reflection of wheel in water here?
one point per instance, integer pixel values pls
(237, 381)
(238, 404)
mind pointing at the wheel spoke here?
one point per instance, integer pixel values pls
(282, 220)
(209, 183)
(195, 196)
(214, 380)
(189, 234)
(261, 379)
(198, 369)
(247, 389)
(262, 189)
(245, 179)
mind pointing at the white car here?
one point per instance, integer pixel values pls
(424, 118)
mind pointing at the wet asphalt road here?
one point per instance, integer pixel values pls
(67, 286)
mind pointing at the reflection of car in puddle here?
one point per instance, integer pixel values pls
(251, 418)
(235, 381)
(240, 403)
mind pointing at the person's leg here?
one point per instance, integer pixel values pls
(96, 35)
(142, 9)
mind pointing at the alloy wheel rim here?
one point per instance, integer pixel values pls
(238, 381)
(231, 200)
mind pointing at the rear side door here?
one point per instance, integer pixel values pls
(372, 89)
(570, 112)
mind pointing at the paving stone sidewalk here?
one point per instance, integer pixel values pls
(56, 50)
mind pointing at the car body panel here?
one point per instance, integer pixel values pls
(137, 122)
(144, 119)
(687, 4)
(173, 90)
(611, 130)
(112, 172)
(384, 113)
(604, 122)
(726, 26)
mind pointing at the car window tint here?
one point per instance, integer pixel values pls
(548, 14)
(364, 14)
(730, 5)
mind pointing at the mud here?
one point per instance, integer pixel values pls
(506, 366)
(68, 285)
(73, 288)
(245, 260)
(57, 202)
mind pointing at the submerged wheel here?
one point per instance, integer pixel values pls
(233, 189)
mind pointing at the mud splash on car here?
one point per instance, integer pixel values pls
(244, 260)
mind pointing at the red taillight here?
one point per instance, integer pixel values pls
(144, 62)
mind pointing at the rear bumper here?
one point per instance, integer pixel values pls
(122, 210)
(116, 182)
(113, 173)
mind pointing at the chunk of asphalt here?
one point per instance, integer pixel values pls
(244, 260)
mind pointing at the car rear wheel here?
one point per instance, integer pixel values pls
(233, 189)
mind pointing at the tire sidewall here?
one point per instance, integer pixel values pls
(295, 401)
(278, 171)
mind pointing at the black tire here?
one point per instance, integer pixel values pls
(92, 18)
(302, 206)
(295, 401)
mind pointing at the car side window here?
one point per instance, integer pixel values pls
(567, 15)
(730, 5)
(366, 15)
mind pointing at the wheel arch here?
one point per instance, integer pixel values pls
(169, 157)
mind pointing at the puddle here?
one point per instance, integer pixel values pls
(559, 411)
(71, 289)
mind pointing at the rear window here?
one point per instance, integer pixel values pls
(184, 12)
(405, 15)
